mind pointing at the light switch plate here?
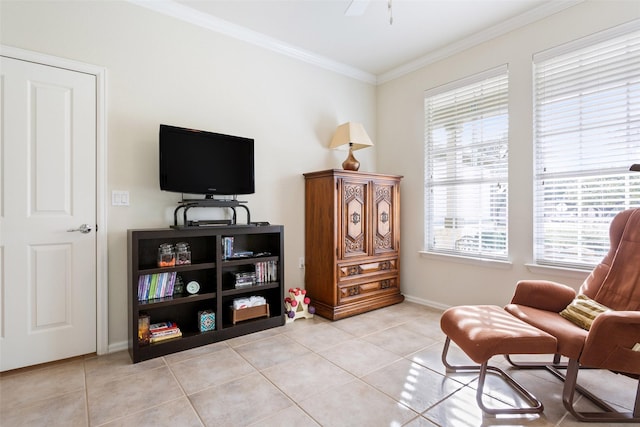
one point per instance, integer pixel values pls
(119, 198)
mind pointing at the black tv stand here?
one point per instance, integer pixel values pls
(187, 204)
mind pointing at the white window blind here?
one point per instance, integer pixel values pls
(466, 177)
(587, 134)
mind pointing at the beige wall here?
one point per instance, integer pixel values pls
(161, 70)
(440, 281)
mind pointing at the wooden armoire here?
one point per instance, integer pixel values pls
(352, 241)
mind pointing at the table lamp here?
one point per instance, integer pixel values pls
(353, 135)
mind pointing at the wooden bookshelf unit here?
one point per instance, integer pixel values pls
(216, 277)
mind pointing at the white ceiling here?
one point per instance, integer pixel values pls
(365, 45)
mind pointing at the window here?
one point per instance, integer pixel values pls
(466, 180)
(587, 134)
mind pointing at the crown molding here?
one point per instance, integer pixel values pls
(519, 21)
(187, 14)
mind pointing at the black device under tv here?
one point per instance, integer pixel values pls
(205, 163)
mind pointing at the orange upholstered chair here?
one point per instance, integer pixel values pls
(609, 343)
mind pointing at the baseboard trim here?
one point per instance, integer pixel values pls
(118, 346)
(428, 303)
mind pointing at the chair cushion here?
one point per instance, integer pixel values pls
(571, 338)
(483, 331)
(583, 310)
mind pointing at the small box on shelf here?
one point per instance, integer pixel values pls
(238, 315)
(207, 320)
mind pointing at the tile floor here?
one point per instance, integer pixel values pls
(380, 368)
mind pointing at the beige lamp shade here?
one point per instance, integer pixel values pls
(352, 135)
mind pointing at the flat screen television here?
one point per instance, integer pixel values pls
(205, 163)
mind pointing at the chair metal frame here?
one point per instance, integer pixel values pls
(536, 407)
(570, 380)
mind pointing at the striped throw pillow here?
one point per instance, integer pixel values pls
(583, 310)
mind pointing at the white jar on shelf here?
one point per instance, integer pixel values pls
(183, 253)
(166, 255)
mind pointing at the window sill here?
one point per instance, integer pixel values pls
(572, 273)
(484, 262)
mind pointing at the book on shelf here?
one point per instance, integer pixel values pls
(157, 285)
(171, 331)
(163, 331)
(227, 247)
(162, 326)
(154, 339)
(266, 271)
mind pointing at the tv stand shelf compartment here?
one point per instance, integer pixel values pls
(215, 276)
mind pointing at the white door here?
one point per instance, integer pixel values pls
(48, 184)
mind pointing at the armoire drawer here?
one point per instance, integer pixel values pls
(348, 293)
(353, 270)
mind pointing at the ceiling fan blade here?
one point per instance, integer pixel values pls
(356, 8)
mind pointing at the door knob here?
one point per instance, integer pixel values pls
(84, 229)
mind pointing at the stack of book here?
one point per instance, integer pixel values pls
(163, 331)
(244, 280)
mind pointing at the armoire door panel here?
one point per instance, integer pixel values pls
(355, 235)
(385, 240)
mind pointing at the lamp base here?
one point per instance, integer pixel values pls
(351, 164)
